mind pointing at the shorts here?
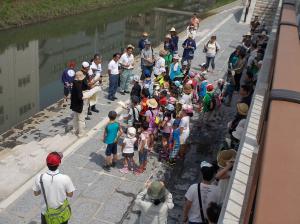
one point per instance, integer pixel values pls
(143, 156)
(165, 135)
(129, 155)
(67, 90)
(111, 149)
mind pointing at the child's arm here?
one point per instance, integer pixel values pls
(104, 133)
(123, 146)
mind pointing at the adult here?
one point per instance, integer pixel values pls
(113, 74)
(154, 202)
(200, 195)
(246, 94)
(254, 24)
(127, 63)
(191, 30)
(189, 46)
(238, 69)
(168, 44)
(54, 186)
(67, 79)
(211, 48)
(175, 39)
(80, 84)
(160, 64)
(95, 74)
(242, 110)
(225, 160)
(143, 40)
(195, 21)
(147, 57)
(85, 69)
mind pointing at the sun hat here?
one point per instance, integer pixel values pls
(168, 36)
(242, 108)
(79, 76)
(152, 103)
(162, 52)
(85, 64)
(172, 100)
(210, 88)
(170, 107)
(53, 159)
(173, 29)
(225, 156)
(136, 78)
(156, 190)
(131, 132)
(145, 34)
(187, 88)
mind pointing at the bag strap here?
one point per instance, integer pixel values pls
(200, 203)
(43, 190)
(133, 111)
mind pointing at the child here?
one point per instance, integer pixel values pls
(67, 79)
(174, 142)
(145, 96)
(148, 82)
(166, 129)
(136, 88)
(111, 135)
(143, 147)
(133, 118)
(128, 150)
(163, 101)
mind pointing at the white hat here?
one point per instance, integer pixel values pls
(170, 107)
(71, 73)
(136, 78)
(205, 164)
(173, 29)
(131, 132)
(85, 64)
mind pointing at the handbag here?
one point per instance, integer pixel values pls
(201, 208)
(56, 215)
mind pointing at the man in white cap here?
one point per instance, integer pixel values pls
(199, 196)
(147, 58)
(175, 39)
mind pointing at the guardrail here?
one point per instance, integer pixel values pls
(238, 203)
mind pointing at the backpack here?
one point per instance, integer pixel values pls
(154, 119)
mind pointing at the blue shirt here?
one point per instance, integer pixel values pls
(176, 136)
(112, 130)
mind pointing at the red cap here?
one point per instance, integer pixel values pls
(210, 87)
(71, 64)
(53, 159)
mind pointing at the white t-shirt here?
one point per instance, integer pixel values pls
(144, 137)
(127, 60)
(113, 66)
(209, 193)
(187, 98)
(129, 145)
(185, 124)
(160, 66)
(212, 49)
(95, 69)
(56, 186)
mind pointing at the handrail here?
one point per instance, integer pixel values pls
(240, 194)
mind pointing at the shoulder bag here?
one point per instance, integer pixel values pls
(56, 215)
(204, 221)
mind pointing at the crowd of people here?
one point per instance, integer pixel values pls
(163, 98)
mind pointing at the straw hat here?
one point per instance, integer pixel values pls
(156, 190)
(242, 108)
(79, 76)
(187, 88)
(145, 34)
(131, 132)
(225, 156)
(152, 103)
(173, 29)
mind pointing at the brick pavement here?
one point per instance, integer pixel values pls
(103, 197)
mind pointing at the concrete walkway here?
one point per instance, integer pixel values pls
(103, 197)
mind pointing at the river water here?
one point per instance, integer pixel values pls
(32, 58)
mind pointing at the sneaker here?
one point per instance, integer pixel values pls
(115, 98)
(87, 118)
(124, 170)
(126, 92)
(106, 168)
(95, 110)
(89, 113)
(122, 93)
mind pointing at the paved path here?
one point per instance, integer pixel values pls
(103, 197)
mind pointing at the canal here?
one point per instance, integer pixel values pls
(32, 58)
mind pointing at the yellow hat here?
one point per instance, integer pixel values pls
(242, 108)
(152, 103)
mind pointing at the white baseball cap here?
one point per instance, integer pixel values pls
(85, 64)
